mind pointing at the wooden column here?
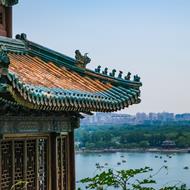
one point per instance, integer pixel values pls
(3, 31)
(53, 161)
(8, 16)
(72, 160)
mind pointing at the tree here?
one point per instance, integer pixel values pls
(144, 144)
(125, 180)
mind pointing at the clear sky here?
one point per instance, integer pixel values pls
(146, 37)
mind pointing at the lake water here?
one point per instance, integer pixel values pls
(85, 165)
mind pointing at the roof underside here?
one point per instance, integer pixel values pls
(41, 79)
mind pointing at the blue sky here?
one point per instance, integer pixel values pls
(146, 37)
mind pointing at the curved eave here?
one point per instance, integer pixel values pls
(41, 98)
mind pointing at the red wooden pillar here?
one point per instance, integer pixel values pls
(8, 16)
(3, 31)
(5, 21)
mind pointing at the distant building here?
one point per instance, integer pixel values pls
(108, 118)
(183, 117)
(165, 116)
(153, 116)
(141, 117)
(168, 144)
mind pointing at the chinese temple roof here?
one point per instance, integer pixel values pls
(35, 77)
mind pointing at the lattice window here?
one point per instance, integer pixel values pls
(65, 162)
(62, 163)
(19, 163)
(42, 170)
(6, 165)
(31, 164)
(24, 160)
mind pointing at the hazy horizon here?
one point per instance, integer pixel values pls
(147, 113)
(149, 38)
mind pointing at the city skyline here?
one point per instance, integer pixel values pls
(149, 38)
(138, 118)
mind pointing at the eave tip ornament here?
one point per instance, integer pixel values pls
(81, 60)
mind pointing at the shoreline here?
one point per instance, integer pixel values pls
(156, 150)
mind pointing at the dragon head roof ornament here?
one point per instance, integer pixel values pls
(81, 60)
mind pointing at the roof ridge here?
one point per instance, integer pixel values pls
(42, 51)
(22, 45)
(13, 45)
